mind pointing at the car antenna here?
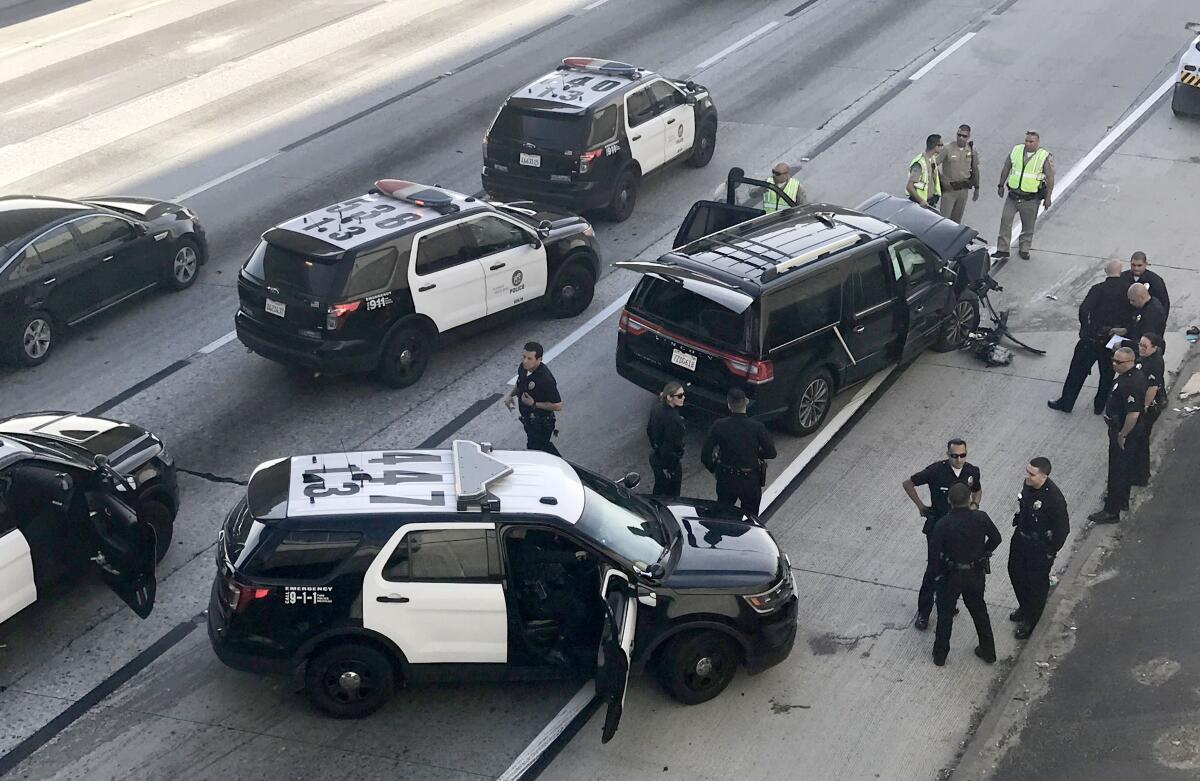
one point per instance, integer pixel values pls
(356, 474)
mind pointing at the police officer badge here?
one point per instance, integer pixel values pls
(1037, 504)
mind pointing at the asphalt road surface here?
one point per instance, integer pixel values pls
(253, 111)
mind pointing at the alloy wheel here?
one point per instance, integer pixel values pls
(36, 339)
(813, 402)
(184, 266)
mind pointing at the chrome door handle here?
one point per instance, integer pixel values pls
(670, 121)
(496, 267)
(427, 287)
(50, 281)
(106, 259)
(858, 329)
(392, 598)
(919, 309)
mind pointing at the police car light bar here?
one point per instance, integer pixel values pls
(418, 195)
(474, 472)
(595, 65)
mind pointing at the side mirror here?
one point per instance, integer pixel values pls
(100, 460)
(690, 100)
(656, 571)
(543, 229)
(536, 244)
(630, 480)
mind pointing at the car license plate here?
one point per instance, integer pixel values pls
(533, 161)
(686, 360)
(277, 308)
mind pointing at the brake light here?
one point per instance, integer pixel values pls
(585, 159)
(755, 372)
(239, 597)
(628, 324)
(337, 312)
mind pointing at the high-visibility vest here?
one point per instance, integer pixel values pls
(922, 186)
(773, 203)
(1026, 177)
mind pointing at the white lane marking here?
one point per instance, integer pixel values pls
(933, 63)
(583, 330)
(731, 49)
(596, 4)
(549, 733)
(225, 178)
(822, 439)
(72, 31)
(217, 344)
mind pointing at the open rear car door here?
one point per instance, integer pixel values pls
(743, 201)
(616, 647)
(124, 551)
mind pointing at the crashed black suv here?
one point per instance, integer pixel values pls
(797, 305)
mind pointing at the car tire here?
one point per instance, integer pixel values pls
(810, 404)
(963, 318)
(32, 339)
(158, 514)
(624, 198)
(183, 267)
(697, 666)
(405, 356)
(570, 291)
(349, 681)
(704, 146)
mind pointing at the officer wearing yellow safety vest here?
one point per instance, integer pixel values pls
(1029, 174)
(781, 177)
(924, 179)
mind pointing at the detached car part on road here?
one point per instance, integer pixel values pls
(799, 304)
(1185, 99)
(585, 135)
(63, 262)
(79, 492)
(361, 571)
(370, 283)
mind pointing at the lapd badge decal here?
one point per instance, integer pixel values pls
(517, 277)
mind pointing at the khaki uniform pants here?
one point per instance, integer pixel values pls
(1029, 212)
(954, 203)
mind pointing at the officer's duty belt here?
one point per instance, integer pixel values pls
(965, 185)
(1017, 195)
(739, 470)
(958, 566)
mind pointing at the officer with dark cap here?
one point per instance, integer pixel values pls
(536, 391)
(1123, 413)
(963, 541)
(1042, 526)
(1105, 312)
(736, 451)
(940, 476)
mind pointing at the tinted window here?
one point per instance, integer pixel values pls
(543, 128)
(665, 95)
(639, 107)
(914, 263)
(25, 265)
(372, 272)
(98, 230)
(8, 520)
(56, 246)
(277, 266)
(18, 222)
(444, 554)
(871, 282)
(803, 308)
(492, 234)
(440, 250)
(692, 314)
(307, 555)
(604, 125)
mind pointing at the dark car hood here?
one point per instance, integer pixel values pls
(944, 236)
(125, 444)
(720, 552)
(148, 209)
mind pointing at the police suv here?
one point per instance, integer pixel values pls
(369, 283)
(1185, 99)
(585, 134)
(361, 571)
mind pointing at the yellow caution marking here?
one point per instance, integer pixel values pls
(1192, 79)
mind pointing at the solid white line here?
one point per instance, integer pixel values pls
(596, 4)
(217, 344)
(933, 63)
(822, 439)
(731, 49)
(550, 733)
(63, 34)
(222, 179)
(582, 330)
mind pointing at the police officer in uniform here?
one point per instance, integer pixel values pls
(963, 541)
(1149, 315)
(924, 180)
(736, 451)
(537, 392)
(940, 476)
(1029, 174)
(958, 166)
(1150, 364)
(781, 177)
(1042, 526)
(1123, 413)
(665, 430)
(1138, 272)
(1105, 311)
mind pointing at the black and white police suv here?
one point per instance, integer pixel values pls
(360, 571)
(585, 134)
(369, 283)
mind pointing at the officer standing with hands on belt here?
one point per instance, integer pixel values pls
(736, 451)
(958, 165)
(1042, 526)
(1105, 312)
(940, 476)
(665, 430)
(537, 392)
(963, 541)
(1029, 174)
(1123, 413)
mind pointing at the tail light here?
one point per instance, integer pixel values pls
(333, 317)
(628, 324)
(238, 597)
(586, 159)
(755, 372)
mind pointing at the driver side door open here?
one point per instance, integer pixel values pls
(124, 551)
(616, 647)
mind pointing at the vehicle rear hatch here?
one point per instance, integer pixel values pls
(286, 288)
(535, 141)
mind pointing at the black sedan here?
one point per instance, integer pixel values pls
(63, 262)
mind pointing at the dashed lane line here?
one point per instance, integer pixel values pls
(728, 50)
(934, 62)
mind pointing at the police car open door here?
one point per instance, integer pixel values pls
(17, 589)
(124, 551)
(743, 201)
(616, 648)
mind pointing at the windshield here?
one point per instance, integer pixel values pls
(543, 128)
(676, 305)
(620, 521)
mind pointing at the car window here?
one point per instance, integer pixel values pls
(692, 314)
(277, 266)
(809, 306)
(871, 283)
(604, 125)
(914, 263)
(102, 229)
(489, 235)
(543, 128)
(56, 246)
(639, 107)
(8, 519)
(25, 265)
(665, 96)
(372, 272)
(307, 555)
(444, 554)
(441, 250)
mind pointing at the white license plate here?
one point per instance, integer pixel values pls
(276, 308)
(686, 360)
(533, 161)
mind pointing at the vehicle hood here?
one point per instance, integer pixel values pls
(944, 236)
(720, 551)
(126, 445)
(148, 209)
